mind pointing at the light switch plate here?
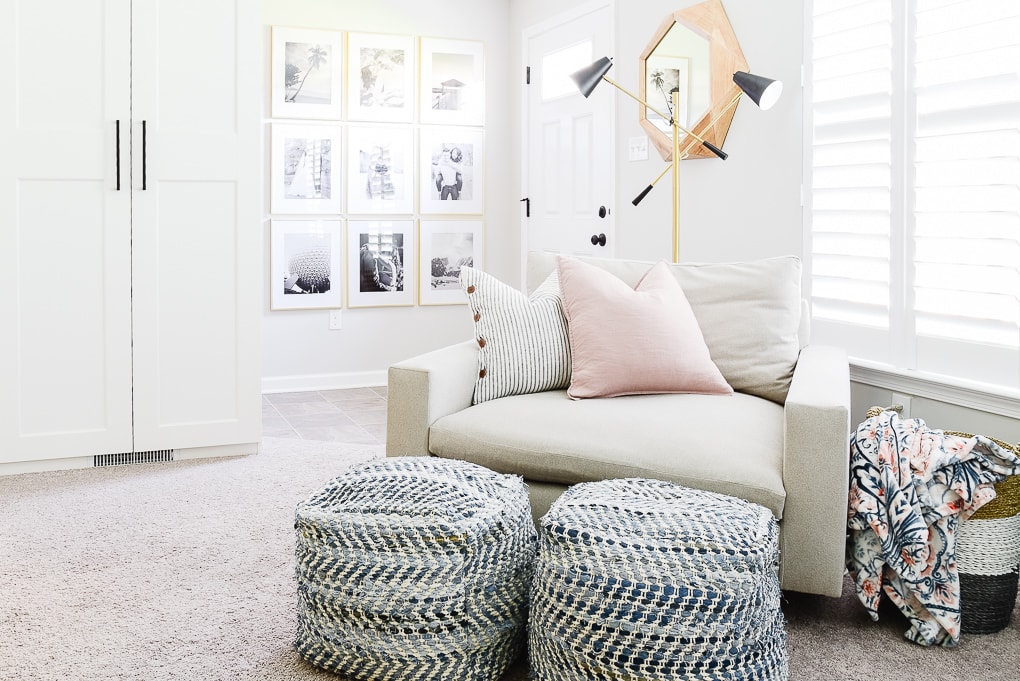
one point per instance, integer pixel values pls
(637, 148)
(335, 319)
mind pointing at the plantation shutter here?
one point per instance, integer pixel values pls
(966, 284)
(915, 185)
(851, 174)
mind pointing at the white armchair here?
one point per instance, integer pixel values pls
(782, 444)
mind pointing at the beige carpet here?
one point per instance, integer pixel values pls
(185, 571)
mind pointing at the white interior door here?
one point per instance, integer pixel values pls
(569, 164)
(197, 223)
(65, 247)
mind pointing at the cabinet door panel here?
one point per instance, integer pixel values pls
(65, 350)
(196, 225)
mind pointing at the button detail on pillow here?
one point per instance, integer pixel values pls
(626, 341)
(522, 341)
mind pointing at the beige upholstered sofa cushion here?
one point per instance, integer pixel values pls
(749, 313)
(727, 444)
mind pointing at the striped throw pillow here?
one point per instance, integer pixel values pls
(523, 345)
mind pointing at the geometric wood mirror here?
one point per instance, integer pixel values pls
(696, 52)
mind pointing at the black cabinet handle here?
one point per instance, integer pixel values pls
(598, 239)
(144, 159)
(118, 154)
(603, 211)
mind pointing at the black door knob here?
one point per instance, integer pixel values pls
(598, 239)
(603, 211)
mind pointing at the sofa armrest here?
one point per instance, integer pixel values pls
(816, 472)
(423, 389)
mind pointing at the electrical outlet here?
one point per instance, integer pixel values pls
(902, 400)
(334, 320)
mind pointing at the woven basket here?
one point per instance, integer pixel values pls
(988, 557)
(645, 579)
(415, 568)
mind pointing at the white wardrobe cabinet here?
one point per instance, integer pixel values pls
(130, 234)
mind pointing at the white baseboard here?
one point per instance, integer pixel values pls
(74, 462)
(242, 449)
(45, 465)
(309, 382)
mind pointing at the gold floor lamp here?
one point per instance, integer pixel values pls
(763, 91)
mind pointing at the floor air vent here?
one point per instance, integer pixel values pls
(127, 458)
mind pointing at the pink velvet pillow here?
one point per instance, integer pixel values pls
(627, 341)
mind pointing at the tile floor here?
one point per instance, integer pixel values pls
(354, 415)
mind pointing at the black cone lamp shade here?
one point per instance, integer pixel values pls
(587, 78)
(764, 91)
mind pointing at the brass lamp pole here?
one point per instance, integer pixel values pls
(763, 91)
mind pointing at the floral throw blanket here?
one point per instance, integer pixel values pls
(910, 486)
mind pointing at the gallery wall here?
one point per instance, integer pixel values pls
(300, 350)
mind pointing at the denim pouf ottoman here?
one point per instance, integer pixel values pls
(644, 579)
(415, 568)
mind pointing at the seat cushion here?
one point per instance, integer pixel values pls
(727, 444)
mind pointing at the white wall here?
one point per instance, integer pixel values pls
(743, 208)
(299, 349)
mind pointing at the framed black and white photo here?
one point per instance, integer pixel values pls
(446, 246)
(304, 262)
(664, 75)
(304, 173)
(307, 73)
(380, 263)
(380, 77)
(452, 170)
(452, 82)
(380, 169)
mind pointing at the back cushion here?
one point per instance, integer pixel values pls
(523, 345)
(748, 312)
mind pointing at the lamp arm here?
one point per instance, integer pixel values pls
(690, 145)
(634, 97)
(723, 111)
(644, 192)
(650, 107)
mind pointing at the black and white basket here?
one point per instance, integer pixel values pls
(988, 559)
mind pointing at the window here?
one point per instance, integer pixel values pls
(557, 67)
(913, 176)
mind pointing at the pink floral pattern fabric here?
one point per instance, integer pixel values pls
(910, 486)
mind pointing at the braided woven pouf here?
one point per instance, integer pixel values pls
(415, 568)
(644, 579)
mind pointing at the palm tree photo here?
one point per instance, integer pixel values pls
(317, 56)
(658, 80)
